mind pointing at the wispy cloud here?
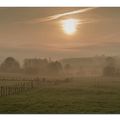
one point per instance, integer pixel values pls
(57, 16)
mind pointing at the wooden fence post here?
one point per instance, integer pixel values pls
(5, 90)
(1, 90)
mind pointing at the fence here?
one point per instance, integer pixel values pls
(16, 86)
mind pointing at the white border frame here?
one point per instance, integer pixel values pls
(59, 3)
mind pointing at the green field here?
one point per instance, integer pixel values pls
(80, 95)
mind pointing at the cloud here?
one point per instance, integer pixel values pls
(57, 16)
(96, 46)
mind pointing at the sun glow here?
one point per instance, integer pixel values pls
(70, 26)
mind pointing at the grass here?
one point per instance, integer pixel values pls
(81, 95)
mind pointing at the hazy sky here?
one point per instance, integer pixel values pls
(37, 32)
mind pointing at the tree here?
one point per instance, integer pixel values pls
(68, 68)
(109, 69)
(35, 66)
(55, 68)
(10, 65)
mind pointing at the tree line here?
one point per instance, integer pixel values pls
(45, 67)
(31, 66)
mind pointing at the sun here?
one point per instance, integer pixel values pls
(69, 26)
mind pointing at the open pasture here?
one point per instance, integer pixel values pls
(78, 95)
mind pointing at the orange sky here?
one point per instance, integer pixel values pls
(36, 32)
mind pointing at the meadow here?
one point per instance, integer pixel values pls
(83, 95)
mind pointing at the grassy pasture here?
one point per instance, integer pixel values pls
(80, 95)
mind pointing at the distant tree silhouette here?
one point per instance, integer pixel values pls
(67, 67)
(35, 66)
(31, 66)
(55, 68)
(109, 69)
(10, 65)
